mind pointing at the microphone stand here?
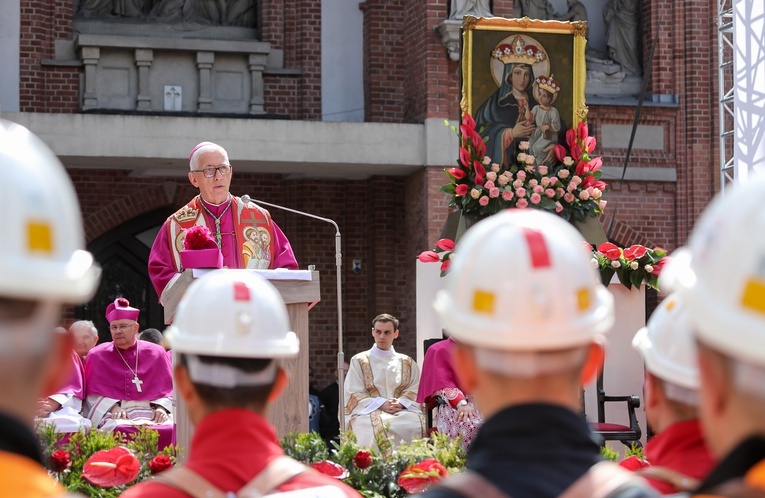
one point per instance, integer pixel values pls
(338, 265)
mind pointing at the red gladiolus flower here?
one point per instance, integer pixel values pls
(457, 173)
(588, 182)
(570, 137)
(462, 190)
(582, 168)
(560, 152)
(468, 120)
(595, 164)
(635, 252)
(160, 463)
(445, 244)
(362, 460)
(589, 144)
(611, 251)
(480, 147)
(445, 265)
(429, 257)
(600, 185)
(634, 463)
(418, 477)
(60, 461)
(331, 469)
(480, 172)
(465, 157)
(582, 130)
(576, 152)
(114, 467)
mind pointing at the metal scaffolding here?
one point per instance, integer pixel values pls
(726, 91)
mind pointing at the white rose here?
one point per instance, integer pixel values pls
(596, 193)
(568, 161)
(594, 262)
(475, 193)
(615, 264)
(634, 265)
(648, 269)
(563, 173)
(486, 160)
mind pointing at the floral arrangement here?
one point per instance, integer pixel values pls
(633, 265)
(410, 468)
(198, 237)
(572, 188)
(100, 463)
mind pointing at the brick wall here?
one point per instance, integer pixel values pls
(45, 88)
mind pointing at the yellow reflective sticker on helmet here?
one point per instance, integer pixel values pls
(39, 237)
(483, 301)
(583, 299)
(754, 295)
(670, 304)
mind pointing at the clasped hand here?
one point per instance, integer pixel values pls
(392, 406)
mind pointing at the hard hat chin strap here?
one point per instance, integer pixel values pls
(225, 376)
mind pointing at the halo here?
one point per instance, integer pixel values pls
(247, 231)
(538, 68)
(535, 91)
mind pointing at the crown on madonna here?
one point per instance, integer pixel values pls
(518, 52)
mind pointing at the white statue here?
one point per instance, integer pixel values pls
(475, 8)
(622, 40)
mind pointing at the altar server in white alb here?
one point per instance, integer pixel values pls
(381, 391)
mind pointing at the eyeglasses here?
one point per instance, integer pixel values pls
(121, 328)
(223, 169)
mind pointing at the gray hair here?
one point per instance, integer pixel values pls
(201, 149)
(86, 323)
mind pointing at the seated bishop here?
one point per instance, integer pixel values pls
(128, 382)
(381, 391)
(63, 408)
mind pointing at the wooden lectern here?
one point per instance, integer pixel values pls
(290, 412)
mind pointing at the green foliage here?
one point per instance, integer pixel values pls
(634, 450)
(82, 446)
(304, 447)
(609, 454)
(379, 480)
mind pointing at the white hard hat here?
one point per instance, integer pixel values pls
(721, 273)
(668, 345)
(232, 313)
(42, 256)
(522, 280)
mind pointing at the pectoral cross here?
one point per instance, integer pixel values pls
(137, 383)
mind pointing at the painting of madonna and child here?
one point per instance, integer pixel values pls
(523, 81)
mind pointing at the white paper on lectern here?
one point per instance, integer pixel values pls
(278, 274)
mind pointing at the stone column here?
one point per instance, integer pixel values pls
(257, 64)
(143, 59)
(205, 62)
(90, 57)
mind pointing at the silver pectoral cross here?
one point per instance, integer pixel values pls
(137, 383)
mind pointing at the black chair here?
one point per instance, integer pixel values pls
(429, 412)
(628, 435)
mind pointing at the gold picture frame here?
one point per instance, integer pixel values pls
(493, 50)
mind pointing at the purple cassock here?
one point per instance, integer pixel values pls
(162, 267)
(108, 375)
(437, 370)
(75, 381)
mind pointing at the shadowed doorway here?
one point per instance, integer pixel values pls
(123, 254)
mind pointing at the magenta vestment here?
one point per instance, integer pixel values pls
(107, 375)
(437, 371)
(75, 381)
(162, 269)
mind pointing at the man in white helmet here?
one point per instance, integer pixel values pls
(42, 267)
(721, 277)
(678, 455)
(527, 311)
(229, 370)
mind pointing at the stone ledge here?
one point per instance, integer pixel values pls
(173, 44)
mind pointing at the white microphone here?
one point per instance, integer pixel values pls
(338, 265)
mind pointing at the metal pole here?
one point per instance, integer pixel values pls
(338, 270)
